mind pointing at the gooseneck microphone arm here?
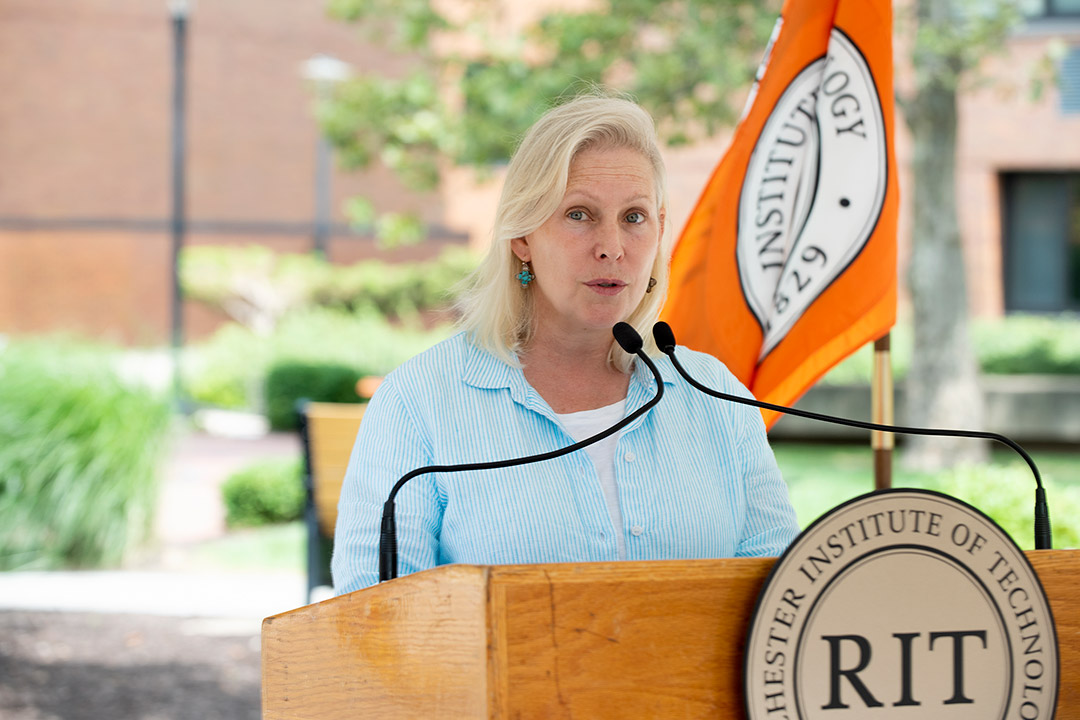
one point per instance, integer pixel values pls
(628, 339)
(665, 340)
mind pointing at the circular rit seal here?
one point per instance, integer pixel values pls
(902, 604)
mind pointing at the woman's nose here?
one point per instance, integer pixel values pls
(608, 242)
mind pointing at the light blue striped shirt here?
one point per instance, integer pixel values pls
(695, 474)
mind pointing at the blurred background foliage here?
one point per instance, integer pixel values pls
(287, 383)
(370, 316)
(230, 369)
(264, 493)
(80, 452)
(257, 287)
(1010, 345)
(329, 323)
(820, 476)
(688, 62)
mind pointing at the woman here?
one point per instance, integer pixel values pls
(578, 246)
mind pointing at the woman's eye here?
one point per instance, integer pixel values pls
(576, 214)
(635, 217)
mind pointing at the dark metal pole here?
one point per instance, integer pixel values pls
(324, 72)
(177, 224)
(322, 195)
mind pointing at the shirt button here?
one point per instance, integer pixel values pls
(629, 456)
(637, 530)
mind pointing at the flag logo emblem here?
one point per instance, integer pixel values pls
(813, 189)
(787, 264)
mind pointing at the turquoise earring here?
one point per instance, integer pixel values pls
(525, 276)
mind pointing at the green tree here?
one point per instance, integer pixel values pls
(949, 40)
(471, 89)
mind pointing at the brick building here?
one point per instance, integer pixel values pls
(1018, 174)
(85, 143)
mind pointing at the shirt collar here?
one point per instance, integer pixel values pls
(484, 370)
(643, 386)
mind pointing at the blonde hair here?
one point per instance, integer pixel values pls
(496, 310)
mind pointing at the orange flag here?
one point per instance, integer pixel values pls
(787, 264)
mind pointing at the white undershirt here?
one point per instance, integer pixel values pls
(587, 423)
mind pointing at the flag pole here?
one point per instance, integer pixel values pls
(881, 412)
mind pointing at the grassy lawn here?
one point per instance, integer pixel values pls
(270, 548)
(821, 476)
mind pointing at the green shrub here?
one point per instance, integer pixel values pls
(267, 492)
(368, 342)
(230, 369)
(397, 290)
(1011, 345)
(1007, 495)
(1028, 344)
(252, 284)
(79, 457)
(287, 382)
(314, 313)
(257, 287)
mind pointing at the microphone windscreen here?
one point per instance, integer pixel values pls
(665, 339)
(627, 337)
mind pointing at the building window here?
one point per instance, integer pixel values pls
(1063, 7)
(1052, 8)
(1069, 81)
(1042, 241)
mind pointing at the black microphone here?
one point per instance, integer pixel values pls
(665, 340)
(628, 339)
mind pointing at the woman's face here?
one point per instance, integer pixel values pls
(593, 257)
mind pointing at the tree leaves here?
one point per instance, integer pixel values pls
(950, 38)
(479, 88)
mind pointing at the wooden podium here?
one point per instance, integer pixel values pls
(647, 639)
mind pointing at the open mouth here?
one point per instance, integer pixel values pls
(606, 286)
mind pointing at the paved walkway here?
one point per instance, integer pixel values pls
(189, 506)
(190, 511)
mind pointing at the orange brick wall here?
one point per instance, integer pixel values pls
(86, 119)
(107, 285)
(85, 134)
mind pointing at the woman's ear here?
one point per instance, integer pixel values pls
(520, 246)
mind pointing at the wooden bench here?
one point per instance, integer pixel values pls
(328, 431)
